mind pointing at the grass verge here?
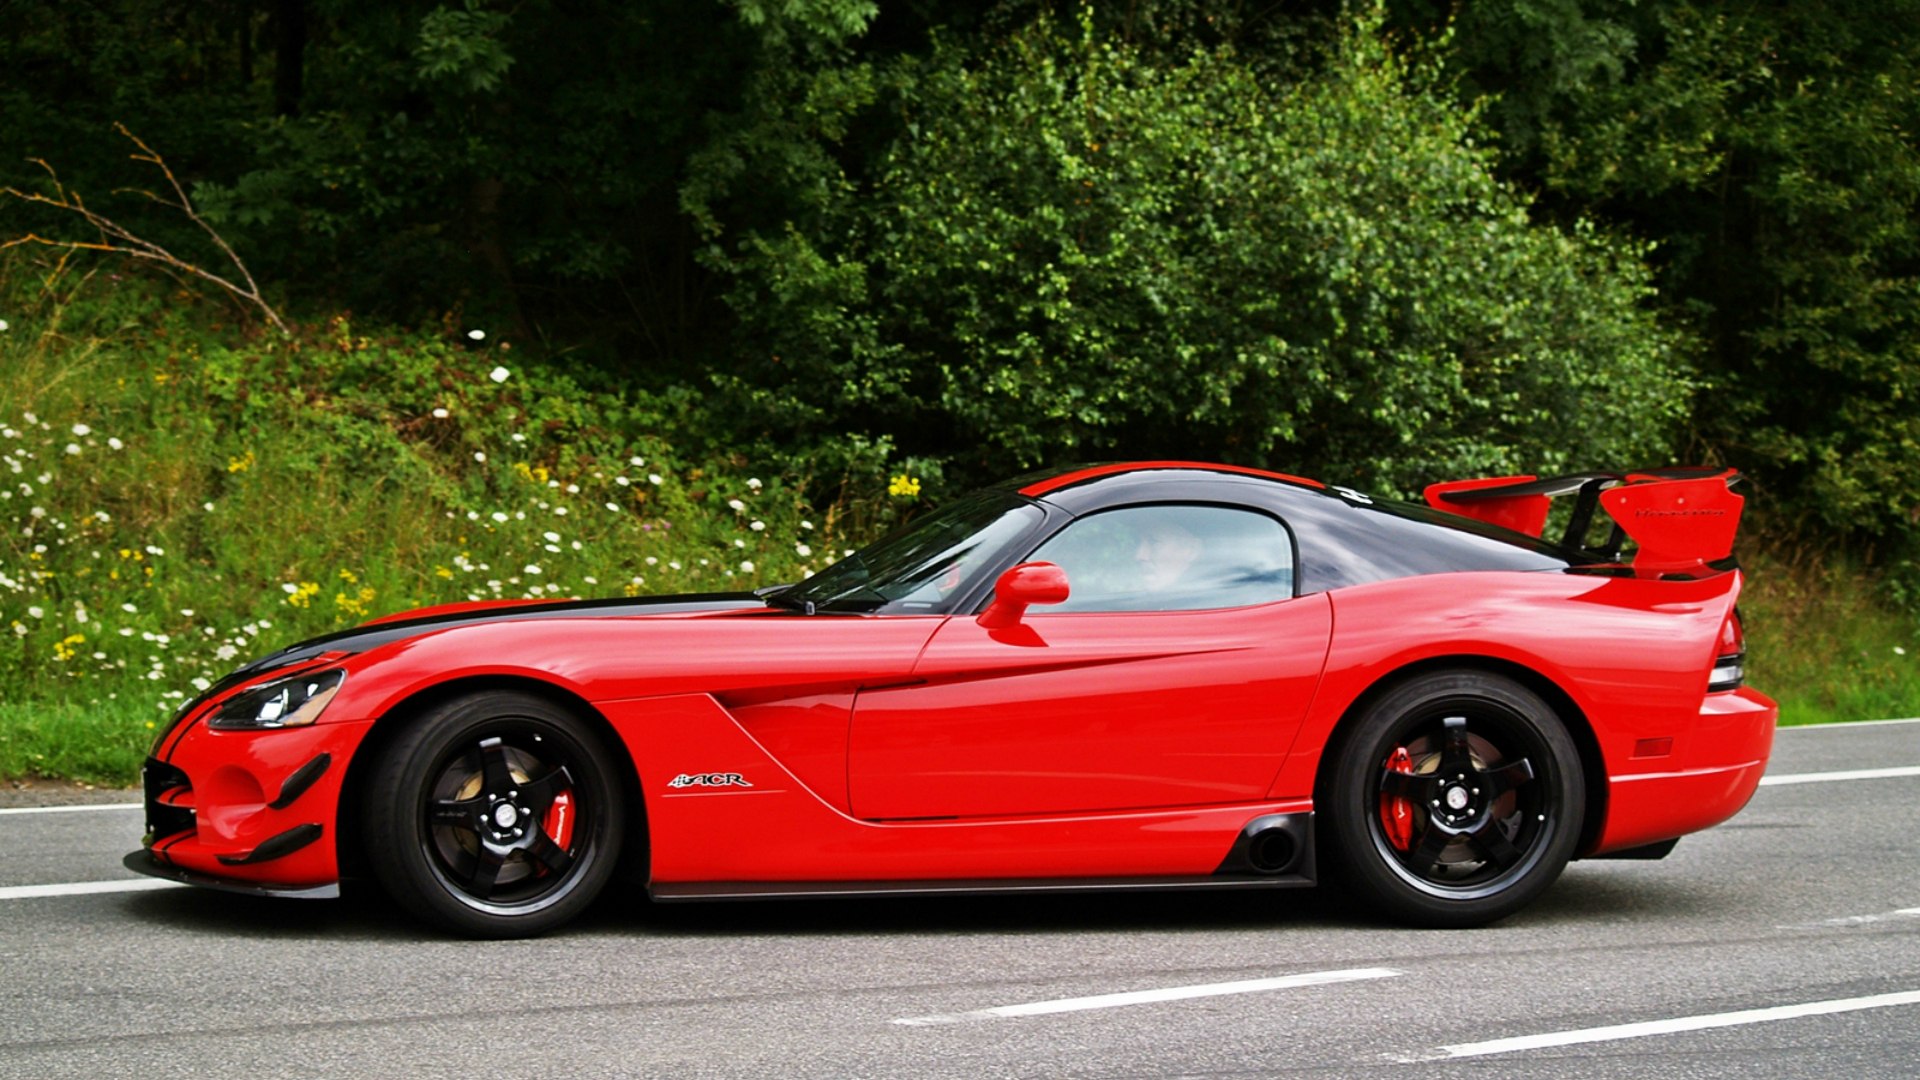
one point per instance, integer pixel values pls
(177, 496)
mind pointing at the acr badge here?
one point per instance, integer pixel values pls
(712, 780)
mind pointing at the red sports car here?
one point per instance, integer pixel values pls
(1152, 675)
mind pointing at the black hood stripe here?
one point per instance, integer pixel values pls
(363, 638)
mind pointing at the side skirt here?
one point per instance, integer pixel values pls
(678, 891)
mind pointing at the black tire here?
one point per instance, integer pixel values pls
(1478, 818)
(495, 815)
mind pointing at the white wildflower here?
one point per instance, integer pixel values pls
(500, 374)
(476, 335)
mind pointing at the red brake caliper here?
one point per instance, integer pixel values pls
(559, 821)
(1396, 813)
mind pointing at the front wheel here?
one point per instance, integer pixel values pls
(493, 815)
(1454, 800)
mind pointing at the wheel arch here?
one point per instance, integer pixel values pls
(347, 836)
(1579, 728)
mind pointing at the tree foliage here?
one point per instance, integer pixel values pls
(1772, 150)
(1463, 235)
(1067, 249)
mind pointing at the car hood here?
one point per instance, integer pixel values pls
(408, 624)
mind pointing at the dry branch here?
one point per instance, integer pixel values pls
(117, 239)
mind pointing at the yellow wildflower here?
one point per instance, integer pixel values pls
(66, 648)
(903, 486)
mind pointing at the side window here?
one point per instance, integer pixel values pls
(1171, 558)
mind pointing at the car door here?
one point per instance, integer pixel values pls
(1176, 674)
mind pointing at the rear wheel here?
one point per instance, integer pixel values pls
(1455, 799)
(493, 815)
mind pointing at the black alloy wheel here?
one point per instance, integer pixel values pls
(494, 815)
(1455, 799)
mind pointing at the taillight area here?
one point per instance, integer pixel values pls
(1730, 662)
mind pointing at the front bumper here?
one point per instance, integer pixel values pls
(143, 862)
(248, 811)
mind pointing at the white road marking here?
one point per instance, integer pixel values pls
(69, 809)
(1857, 920)
(84, 888)
(1677, 1024)
(1847, 774)
(1143, 997)
(1837, 725)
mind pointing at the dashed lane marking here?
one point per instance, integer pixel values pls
(69, 809)
(1144, 997)
(1673, 1026)
(1845, 774)
(84, 888)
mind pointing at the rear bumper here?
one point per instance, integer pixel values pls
(1724, 757)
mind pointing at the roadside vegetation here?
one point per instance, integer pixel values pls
(179, 494)
(314, 312)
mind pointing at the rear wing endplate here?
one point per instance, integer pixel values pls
(1680, 518)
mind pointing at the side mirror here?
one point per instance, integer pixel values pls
(1019, 588)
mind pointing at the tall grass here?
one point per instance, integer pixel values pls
(177, 496)
(1823, 641)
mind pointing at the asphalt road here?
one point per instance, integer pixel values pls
(1785, 943)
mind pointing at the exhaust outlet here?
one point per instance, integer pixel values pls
(1272, 850)
(1272, 846)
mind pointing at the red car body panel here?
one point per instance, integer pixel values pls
(771, 746)
(1090, 712)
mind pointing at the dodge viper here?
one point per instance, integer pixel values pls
(1147, 675)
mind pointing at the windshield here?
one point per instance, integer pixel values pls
(920, 567)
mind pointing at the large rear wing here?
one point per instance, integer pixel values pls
(1680, 518)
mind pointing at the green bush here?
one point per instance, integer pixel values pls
(1069, 250)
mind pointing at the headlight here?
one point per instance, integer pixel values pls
(291, 702)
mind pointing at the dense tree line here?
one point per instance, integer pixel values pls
(1379, 241)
